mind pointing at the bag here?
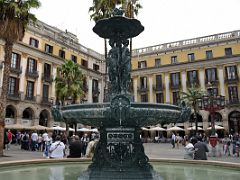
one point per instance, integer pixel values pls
(50, 151)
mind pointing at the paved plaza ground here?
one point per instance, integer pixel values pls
(153, 150)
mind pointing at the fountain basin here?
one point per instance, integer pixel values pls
(138, 114)
(72, 169)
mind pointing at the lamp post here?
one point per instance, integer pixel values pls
(212, 103)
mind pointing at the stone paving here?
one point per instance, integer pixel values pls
(153, 150)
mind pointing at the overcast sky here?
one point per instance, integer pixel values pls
(164, 20)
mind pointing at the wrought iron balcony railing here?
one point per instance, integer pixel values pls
(47, 78)
(33, 74)
(14, 96)
(232, 81)
(46, 101)
(16, 70)
(142, 89)
(233, 102)
(30, 98)
(175, 86)
(158, 87)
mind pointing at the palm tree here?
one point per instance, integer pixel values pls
(131, 8)
(14, 17)
(191, 97)
(69, 84)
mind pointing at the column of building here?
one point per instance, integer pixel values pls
(135, 88)
(167, 87)
(89, 80)
(150, 79)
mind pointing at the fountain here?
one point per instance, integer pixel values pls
(119, 153)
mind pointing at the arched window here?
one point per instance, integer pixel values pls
(44, 118)
(28, 114)
(10, 112)
(217, 117)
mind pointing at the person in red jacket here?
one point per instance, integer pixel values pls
(10, 136)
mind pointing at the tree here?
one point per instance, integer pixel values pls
(190, 97)
(69, 84)
(14, 17)
(131, 8)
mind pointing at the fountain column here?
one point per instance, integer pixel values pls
(166, 75)
(89, 79)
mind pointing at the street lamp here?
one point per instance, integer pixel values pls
(212, 103)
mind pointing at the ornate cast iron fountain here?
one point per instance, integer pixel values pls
(120, 152)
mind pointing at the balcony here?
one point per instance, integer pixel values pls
(47, 78)
(233, 102)
(14, 96)
(175, 86)
(16, 70)
(193, 83)
(33, 74)
(46, 101)
(213, 83)
(159, 87)
(30, 98)
(232, 81)
(142, 89)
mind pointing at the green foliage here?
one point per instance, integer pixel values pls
(69, 82)
(191, 96)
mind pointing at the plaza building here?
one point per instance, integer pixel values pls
(160, 73)
(35, 59)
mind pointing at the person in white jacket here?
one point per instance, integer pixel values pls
(57, 149)
(189, 150)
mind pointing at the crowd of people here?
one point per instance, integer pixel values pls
(53, 144)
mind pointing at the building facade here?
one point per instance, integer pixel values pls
(160, 73)
(34, 63)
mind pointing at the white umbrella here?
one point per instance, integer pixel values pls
(144, 129)
(39, 127)
(83, 130)
(58, 128)
(157, 128)
(194, 128)
(15, 126)
(216, 127)
(175, 128)
(94, 130)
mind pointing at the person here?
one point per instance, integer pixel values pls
(44, 137)
(40, 140)
(48, 143)
(226, 145)
(25, 140)
(10, 136)
(34, 139)
(57, 149)
(18, 138)
(200, 150)
(85, 141)
(178, 139)
(189, 150)
(173, 140)
(75, 148)
(92, 146)
(5, 140)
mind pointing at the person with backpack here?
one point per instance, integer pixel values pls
(25, 141)
(57, 149)
(75, 148)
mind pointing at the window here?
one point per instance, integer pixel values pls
(159, 98)
(173, 59)
(13, 86)
(47, 70)
(176, 97)
(32, 65)
(95, 67)
(175, 79)
(157, 62)
(209, 54)
(33, 42)
(62, 54)
(48, 49)
(211, 75)
(143, 82)
(228, 51)
(74, 58)
(45, 91)
(142, 64)
(191, 57)
(144, 98)
(15, 61)
(192, 77)
(231, 72)
(233, 93)
(30, 89)
(95, 85)
(213, 92)
(84, 63)
(158, 81)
